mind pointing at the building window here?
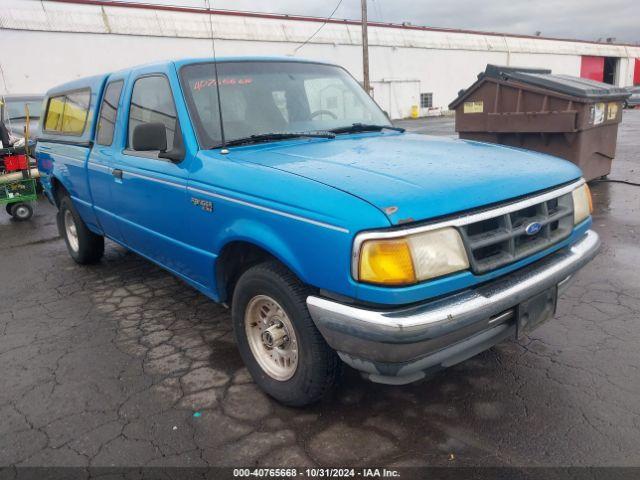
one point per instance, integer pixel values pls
(426, 100)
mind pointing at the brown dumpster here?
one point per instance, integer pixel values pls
(570, 117)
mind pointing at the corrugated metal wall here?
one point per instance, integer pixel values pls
(52, 42)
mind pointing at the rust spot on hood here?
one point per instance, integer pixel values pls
(390, 210)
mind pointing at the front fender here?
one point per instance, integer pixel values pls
(265, 237)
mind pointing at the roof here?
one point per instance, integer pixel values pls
(186, 61)
(21, 96)
(120, 17)
(275, 16)
(95, 83)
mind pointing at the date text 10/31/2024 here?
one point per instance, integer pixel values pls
(316, 473)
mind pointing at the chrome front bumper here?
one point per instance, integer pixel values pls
(399, 345)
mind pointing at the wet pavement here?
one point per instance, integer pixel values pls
(120, 364)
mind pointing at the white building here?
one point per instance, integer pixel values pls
(48, 42)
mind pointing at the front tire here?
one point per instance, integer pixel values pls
(84, 246)
(278, 341)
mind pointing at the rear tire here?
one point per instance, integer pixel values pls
(21, 211)
(84, 246)
(300, 369)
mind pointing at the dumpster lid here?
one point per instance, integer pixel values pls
(497, 71)
(581, 88)
(567, 84)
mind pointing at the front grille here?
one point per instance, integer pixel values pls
(498, 241)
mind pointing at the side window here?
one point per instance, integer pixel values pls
(53, 120)
(109, 113)
(74, 117)
(152, 102)
(67, 113)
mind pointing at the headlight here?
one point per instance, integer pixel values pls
(410, 259)
(582, 204)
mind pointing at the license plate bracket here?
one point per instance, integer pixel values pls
(536, 310)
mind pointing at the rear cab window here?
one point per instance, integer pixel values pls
(67, 113)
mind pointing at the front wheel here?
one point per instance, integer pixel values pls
(278, 341)
(84, 246)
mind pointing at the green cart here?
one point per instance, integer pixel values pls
(18, 197)
(18, 187)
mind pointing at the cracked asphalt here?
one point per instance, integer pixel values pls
(120, 364)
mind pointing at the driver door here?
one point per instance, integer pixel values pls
(149, 191)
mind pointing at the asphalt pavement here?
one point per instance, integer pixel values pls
(121, 364)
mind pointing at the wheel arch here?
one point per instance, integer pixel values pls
(58, 190)
(240, 254)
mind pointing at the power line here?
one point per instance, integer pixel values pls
(319, 28)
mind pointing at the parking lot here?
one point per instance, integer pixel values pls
(121, 364)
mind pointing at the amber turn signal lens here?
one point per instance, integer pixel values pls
(386, 262)
(589, 197)
(582, 203)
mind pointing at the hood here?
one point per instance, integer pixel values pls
(417, 177)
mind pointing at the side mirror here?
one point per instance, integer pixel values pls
(149, 137)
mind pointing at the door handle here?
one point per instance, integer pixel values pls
(117, 173)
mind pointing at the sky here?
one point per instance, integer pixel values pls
(579, 19)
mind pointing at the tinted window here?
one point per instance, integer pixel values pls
(54, 114)
(109, 113)
(152, 102)
(67, 113)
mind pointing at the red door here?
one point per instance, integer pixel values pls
(636, 73)
(593, 68)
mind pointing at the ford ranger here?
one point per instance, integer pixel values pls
(279, 187)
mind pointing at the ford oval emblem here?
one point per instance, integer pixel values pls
(533, 228)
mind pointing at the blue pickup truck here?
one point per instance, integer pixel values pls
(278, 187)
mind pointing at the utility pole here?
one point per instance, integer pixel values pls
(365, 49)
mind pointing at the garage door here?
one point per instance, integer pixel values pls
(593, 68)
(396, 97)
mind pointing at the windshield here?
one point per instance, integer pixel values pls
(274, 97)
(14, 109)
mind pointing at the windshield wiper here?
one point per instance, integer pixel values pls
(267, 137)
(365, 127)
